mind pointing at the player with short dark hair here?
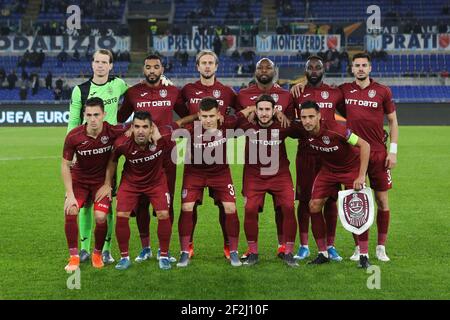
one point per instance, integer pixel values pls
(143, 174)
(265, 138)
(207, 63)
(329, 100)
(206, 165)
(92, 144)
(341, 164)
(265, 84)
(367, 102)
(160, 100)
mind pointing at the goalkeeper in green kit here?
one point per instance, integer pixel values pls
(109, 89)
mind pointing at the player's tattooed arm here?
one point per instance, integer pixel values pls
(106, 189)
(67, 178)
(391, 159)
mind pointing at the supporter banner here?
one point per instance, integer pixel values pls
(165, 44)
(299, 42)
(57, 43)
(34, 115)
(398, 42)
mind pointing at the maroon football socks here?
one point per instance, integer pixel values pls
(383, 225)
(71, 228)
(123, 235)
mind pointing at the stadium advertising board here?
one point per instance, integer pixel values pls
(167, 44)
(34, 115)
(57, 43)
(398, 42)
(295, 43)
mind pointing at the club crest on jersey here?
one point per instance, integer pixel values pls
(324, 95)
(326, 139)
(152, 147)
(372, 93)
(110, 91)
(275, 97)
(104, 139)
(216, 94)
(163, 93)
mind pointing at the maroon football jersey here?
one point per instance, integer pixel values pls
(283, 98)
(92, 153)
(331, 144)
(208, 149)
(329, 100)
(193, 93)
(262, 142)
(160, 102)
(365, 110)
(143, 166)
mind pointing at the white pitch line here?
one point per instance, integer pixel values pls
(28, 158)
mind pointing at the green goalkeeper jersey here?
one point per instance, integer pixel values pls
(110, 92)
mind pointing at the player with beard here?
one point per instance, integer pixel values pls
(264, 75)
(367, 102)
(265, 138)
(208, 86)
(341, 164)
(159, 100)
(329, 100)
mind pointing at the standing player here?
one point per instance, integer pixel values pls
(366, 104)
(208, 86)
(110, 89)
(264, 75)
(92, 144)
(143, 174)
(160, 101)
(308, 164)
(267, 137)
(341, 164)
(206, 166)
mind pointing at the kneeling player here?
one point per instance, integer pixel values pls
(341, 164)
(266, 139)
(207, 166)
(92, 143)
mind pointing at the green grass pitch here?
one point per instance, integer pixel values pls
(33, 246)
